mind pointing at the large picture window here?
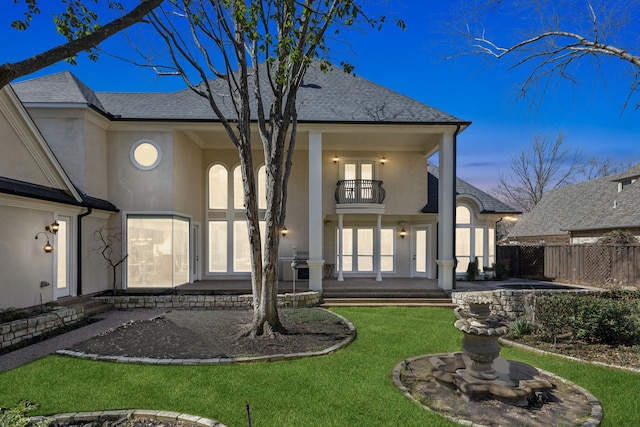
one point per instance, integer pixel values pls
(158, 251)
(358, 249)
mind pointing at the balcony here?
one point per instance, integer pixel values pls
(359, 195)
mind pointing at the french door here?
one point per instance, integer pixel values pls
(422, 259)
(63, 256)
(357, 176)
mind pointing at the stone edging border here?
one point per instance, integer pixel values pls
(508, 343)
(128, 413)
(596, 409)
(219, 360)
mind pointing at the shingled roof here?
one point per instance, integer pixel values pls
(333, 96)
(488, 203)
(595, 204)
(59, 88)
(40, 192)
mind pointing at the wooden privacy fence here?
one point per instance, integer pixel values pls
(593, 264)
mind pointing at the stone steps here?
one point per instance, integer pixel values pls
(387, 302)
(91, 306)
(398, 293)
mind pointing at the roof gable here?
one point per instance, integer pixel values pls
(26, 155)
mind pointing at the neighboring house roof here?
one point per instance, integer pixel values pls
(487, 203)
(333, 96)
(620, 209)
(595, 204)
(40, 192)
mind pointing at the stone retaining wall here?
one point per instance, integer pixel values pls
(14, 332)
(125, 417)
(508, 304)
(302, 299)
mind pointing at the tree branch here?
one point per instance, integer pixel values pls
(11, 71)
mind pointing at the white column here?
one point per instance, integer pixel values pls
(377, 249)
(340, 276)
(316, 224)
(446, 212)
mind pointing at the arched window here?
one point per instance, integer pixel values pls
(218, 187)
(238, 189)
(472, 240)
(463, 215)
(463, 238)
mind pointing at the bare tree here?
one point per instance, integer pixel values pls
(80, 25)
(542, 167)
(595, 167)
(251, 56)
(556, 36)
(109, 245)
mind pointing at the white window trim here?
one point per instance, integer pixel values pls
(125, 237)
(133, 158)
(354, 255)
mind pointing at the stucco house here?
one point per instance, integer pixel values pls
(584, 212)
(159, 170)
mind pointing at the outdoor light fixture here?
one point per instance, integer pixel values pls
(403, 232)
(47, 248)
(284, 231)
(53, 228)
(335, 159)
(383, 161)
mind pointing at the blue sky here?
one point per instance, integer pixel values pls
(414, 62)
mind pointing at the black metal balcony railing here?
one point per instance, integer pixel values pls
(359, 191)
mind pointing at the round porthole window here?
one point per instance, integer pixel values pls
(145, 154)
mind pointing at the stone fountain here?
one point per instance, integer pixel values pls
(478, 371)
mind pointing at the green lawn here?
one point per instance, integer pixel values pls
(352, 387)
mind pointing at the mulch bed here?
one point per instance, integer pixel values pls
(206, 334)
(625, 356)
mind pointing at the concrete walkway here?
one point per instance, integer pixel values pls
(109, 320)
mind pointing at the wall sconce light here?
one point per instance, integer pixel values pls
(53, 228)
(284, 231)
(47, 248)
(403, 233)
(335, 159)
(383, 161)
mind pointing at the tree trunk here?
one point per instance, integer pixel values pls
(266, 321)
